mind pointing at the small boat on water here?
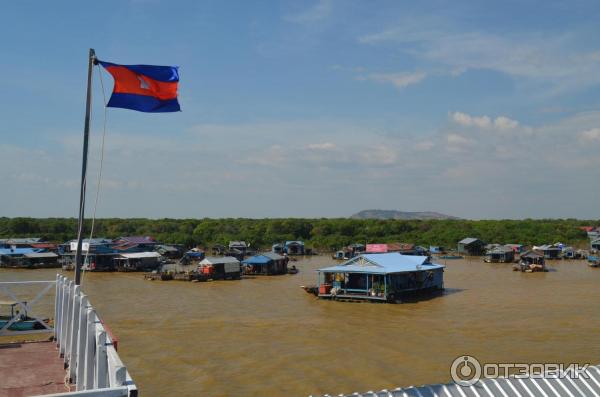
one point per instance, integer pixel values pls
(450, 257)
(593, 261)
(23, 322)
(292, 270)
(311, 289)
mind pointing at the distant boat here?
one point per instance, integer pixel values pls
(23, 323)
(450, 257)
(593, 261)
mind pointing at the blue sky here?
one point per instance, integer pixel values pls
(315, 108)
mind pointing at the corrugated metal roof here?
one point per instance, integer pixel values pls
(27, 240)
(98, 240)
(139, 255)
(588, 385)
(17, 251)
(501, 250)
(137, 240)
(213, 260)
(263, 258)
(392, 262)
(167, 248)
(468, 240)
(41, 255)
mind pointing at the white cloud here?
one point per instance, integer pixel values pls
(467, 120)
(591, 135)
(458, 143)
(504, 123)
(326, 146)
(552, 58)
(501, 123)
(424, 145)
(399, 80)
(319, 11)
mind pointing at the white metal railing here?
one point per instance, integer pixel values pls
(92, 362)
(88, 350)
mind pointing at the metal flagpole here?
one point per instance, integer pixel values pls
(86, 134)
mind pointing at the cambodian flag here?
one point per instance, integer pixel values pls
(144, 88)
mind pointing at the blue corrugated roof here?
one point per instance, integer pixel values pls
(262, 259)
(18, 251)
(392, 262)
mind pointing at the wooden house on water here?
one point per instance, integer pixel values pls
(138, 261)
(595, 245)
(218, 249)
(169, 251)
(549, 251)
(294, 247)
(379, 277)
(99, 253)
(266, 264)
(29, 258)
(531, 261)
(277, 248)
(518, 248)
(471, 246)
(500, 254)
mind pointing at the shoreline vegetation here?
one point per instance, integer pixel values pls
(318, 233)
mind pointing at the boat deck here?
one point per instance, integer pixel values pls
(31, 368)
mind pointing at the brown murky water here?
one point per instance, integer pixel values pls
(266, 336)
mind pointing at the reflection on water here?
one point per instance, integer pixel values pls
(265, 335)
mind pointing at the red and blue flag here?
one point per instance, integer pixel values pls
(145, 88)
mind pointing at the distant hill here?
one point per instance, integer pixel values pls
(393, 214)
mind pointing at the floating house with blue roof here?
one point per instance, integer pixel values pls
(268, 264)
(27, 258)
(379, 277)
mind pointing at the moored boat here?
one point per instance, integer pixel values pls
(22, 321)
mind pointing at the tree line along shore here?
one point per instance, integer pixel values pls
(321, 234)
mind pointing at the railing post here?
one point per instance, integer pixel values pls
(58, 321)
(90, 350)
(69, 319)
(81, 343)
(56, 307)
(101, 361)
(64, 330)
(74, 334)
(63, 313)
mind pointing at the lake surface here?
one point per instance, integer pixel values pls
(267, 336)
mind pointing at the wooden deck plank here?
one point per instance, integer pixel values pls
(32, 368)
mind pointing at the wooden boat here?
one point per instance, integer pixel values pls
(24, 322)
(292, 270)
(311, 289)
(450, 257)
(593, 261)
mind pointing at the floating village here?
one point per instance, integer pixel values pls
(383, 272)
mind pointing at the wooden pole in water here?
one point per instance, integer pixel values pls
(86, 134)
